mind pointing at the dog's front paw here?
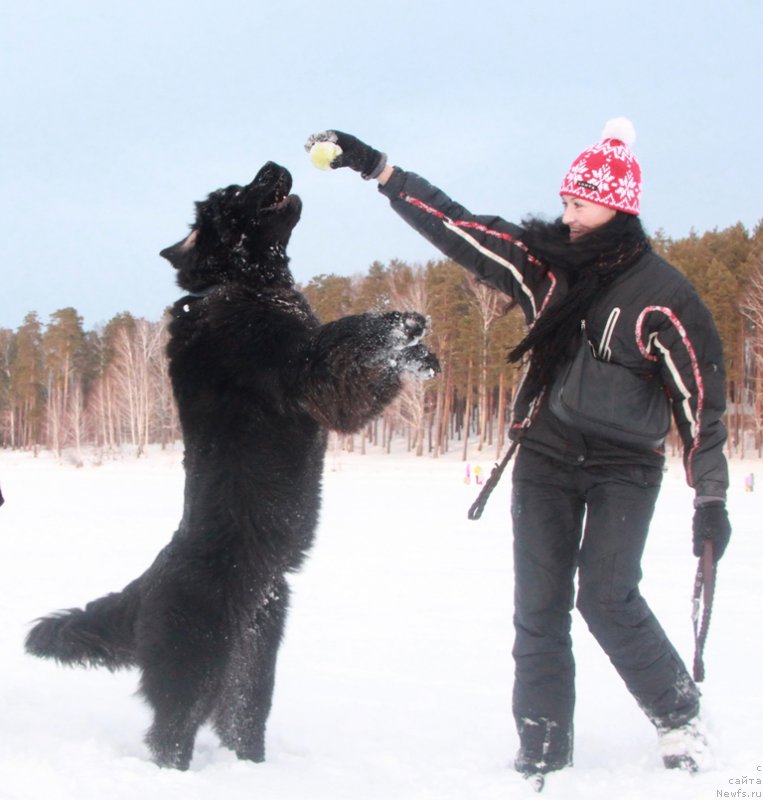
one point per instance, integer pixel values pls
(419, 361)
(406, 328)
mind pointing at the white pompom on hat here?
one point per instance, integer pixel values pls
(620, 128)
(607, 173)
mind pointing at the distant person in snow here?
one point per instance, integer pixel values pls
(618, 342)
(2, 499)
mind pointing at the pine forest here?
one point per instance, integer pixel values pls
(66, 389)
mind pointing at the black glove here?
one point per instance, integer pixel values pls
(355, 154)
(711, 522)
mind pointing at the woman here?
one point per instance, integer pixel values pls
(608, 320)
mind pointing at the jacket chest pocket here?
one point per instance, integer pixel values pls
(612, 336)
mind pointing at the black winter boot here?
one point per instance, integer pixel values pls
(685, 747)
(545, 746)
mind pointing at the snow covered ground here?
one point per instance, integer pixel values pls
(395, 676)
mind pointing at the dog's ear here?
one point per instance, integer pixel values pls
(177, 253)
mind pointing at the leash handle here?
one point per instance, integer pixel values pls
(478, 506)
(704, 590)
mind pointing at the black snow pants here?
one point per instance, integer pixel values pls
(593, 520)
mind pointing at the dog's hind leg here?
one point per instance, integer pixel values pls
(182, 692)
(171, 736)
(177, 683)
(183, 657)
(242, 713)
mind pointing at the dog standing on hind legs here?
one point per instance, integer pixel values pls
(258, 381)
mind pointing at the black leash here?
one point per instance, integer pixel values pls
(478, 506)
(704, 589)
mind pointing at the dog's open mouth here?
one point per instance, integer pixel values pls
(274, 207)
(280, 197)
(280, 202)
(279, 180)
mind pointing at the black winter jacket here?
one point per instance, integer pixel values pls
(650, 320)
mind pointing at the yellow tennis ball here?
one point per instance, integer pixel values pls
(323, 153)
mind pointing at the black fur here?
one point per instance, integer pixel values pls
(258, 381)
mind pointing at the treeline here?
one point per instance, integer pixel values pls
(64, 387)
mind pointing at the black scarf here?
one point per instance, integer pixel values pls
(591, 263)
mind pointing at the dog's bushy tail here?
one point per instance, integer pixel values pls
(102, 634)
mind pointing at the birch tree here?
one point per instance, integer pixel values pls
(6, 349)
(64, 356)
(27, 388)
(408, 292)
(752, 308)
(491, 305)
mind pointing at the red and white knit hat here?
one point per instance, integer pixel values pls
(607, 173)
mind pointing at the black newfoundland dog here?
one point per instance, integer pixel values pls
(258, 381)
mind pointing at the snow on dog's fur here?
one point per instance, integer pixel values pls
(258, 381)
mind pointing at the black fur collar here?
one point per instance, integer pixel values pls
(591, 264)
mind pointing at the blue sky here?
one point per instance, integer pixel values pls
(115, 117)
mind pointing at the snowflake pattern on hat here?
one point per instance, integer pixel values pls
(607, 174)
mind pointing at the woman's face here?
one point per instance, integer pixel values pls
(583, 216)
